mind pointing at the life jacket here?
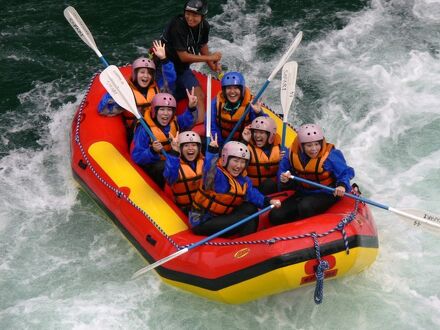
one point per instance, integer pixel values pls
(262, 167)
(185, 188)
(226, 121)
(159, 134)
(143, 103)
(218, 203)
(314, 169)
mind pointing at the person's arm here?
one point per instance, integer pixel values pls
(187, 119)
(172, 164)
(141, 152)
(254, 196)
(214, 64)
(189, 58)
(215, 130)
(336, 164)
(108, 107)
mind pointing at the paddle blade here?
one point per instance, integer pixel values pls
(288, 85)
(116, 85)
(420, 217)
(286, 55)
(80, 28)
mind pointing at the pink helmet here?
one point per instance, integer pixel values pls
(189, 137)
(266, 124)
(141, 62)
(234, 149)
(162, 100)
(310, 133)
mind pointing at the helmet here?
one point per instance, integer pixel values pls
(162, 100)
(141, 62)
(265, 124)
(233, 79)
(310, 133)
(189, 137)
(197, 6)
(234, 149)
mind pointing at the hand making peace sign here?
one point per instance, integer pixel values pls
(175, 145)
(192, 99)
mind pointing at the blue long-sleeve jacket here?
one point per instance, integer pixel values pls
(215, 128)
(107, 105)
(141, 151)
(335, 164)
(214, 178)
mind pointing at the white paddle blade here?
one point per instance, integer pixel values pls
(208, 106)
(286, 56)
(288, 85)
(80, 28)
(116, 85)
(420, 217)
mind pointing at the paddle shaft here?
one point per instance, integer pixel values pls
(369, 201)
(201, 242)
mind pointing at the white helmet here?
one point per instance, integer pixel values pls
(189, 137)
(234, 149)
(310, 133)
(266, 124)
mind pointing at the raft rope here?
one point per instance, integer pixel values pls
(322, 264)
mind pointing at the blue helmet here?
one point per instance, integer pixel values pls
(233, 79)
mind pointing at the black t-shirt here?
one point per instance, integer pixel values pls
(178, 36)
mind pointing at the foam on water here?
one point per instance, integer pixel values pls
(63, 266)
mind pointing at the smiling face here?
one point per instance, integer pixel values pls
(312, 149)
(164, 115)
(144, 77)
(260, 137)
(236, 166)
(233, 93)
(192, 19)
(190, 151)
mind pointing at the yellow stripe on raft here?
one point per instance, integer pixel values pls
(283, 279)
(123, 174)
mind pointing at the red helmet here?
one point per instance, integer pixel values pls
(162, 100)
(310, 133)
(234, 149)
(266, 124)
(141, 62)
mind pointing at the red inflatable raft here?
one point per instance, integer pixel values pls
(340, 242)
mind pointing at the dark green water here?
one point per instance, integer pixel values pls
(368, 73)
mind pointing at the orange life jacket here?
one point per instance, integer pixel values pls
(159, 133)
(226, 122)
(217, 203)
(143, 103)
(185, 188)
(262, 167)
(314, 169)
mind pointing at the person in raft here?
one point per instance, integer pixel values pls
(312, 158)
(229, 106)
(183, 168)
(264, 146)
(143, 84)
(164, 124)
(226, 195)
(186, 37)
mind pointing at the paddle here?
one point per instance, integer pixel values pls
(81, 29)
(288, 84)
(208, 110)
(116, 85)
(201, 242)
(419, 216)
(283, 60)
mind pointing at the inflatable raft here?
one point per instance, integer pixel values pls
(340, 242)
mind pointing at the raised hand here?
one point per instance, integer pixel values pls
(246, 134)
(213, 142)
(175, 145)
(257, 107)
(159, 49)
(192, 99)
